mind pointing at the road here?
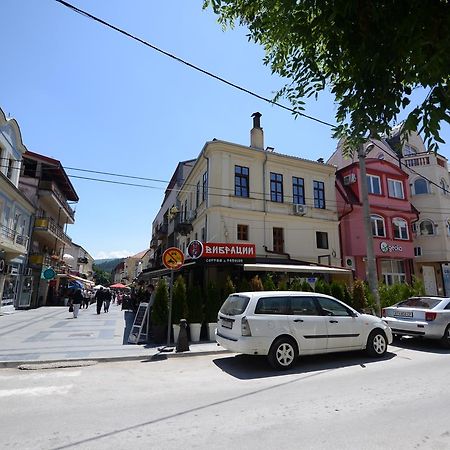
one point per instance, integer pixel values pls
(342, 401)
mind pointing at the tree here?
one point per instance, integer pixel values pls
(160, 311)
(213, 302)
(101, 277)
(179, 302)
(371, 55)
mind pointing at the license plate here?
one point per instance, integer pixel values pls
(403, 313)
(227, 324)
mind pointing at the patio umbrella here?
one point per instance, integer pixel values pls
(119, 286)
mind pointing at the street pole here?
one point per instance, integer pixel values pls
(169, 324)
(371, 266)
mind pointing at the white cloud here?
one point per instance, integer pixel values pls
(112, 254)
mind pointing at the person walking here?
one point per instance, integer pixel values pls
(85, 303)
(107, 300)
(76, 302)
(99, 297)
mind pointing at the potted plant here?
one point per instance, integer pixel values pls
(179, 305)
(213, 304)
(160, 312)
(195, 312)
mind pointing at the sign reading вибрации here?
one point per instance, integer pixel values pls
(386, 248)
(215, 252)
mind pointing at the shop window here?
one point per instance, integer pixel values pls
(400, 228)
(241, 181)
(276, 187)
(373, 184)
(319, 194)
(393, 271)
(395, 189)
(378, 228)
(278, 240)
(242, 232)
(321, 239)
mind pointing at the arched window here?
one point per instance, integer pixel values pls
(420, 186)
(426, 228)
(378, 228)
(447, 225)
(400, 228)
(444, 187)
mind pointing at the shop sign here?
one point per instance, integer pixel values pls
(173, 258)
(216, 252)
(386, 248)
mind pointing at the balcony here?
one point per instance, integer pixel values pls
(154, 242)
(161, 230)
(40, 259)
(49, 226)
(183, 224)
(12, 241)
(50, 187)
(424, 159)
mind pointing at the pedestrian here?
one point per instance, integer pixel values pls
(99, 296)
(85, 299)
(76, 302)
(107, 300)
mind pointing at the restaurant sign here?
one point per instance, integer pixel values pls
(214, 252)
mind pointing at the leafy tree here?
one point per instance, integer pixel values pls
(337, 291)
(101, 277)
(160, 311)
(268, 282)
(370, 55)
(179, 302)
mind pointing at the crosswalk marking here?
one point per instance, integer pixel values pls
(36, 391)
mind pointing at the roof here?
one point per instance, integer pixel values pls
(58, 174)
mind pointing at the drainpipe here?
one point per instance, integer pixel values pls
(264, 200)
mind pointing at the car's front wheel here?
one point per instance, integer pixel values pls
(283, 353)
(445, 341)
(376, 343)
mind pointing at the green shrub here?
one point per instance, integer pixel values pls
(160, 311)
(179, 302)
(322, 287)
(296, 285)
(306, 287)
(359, 298)
(337, 290)
(244, 285)
(389, 295)
(282, 285)
(418, 288)
(195, 304)
(213, 303)
(256, 284)
(347, 295)
(268, 283)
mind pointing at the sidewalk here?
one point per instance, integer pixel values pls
(50, 334)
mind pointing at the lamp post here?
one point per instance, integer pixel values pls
(371, 266)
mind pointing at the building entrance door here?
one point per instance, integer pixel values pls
(429, 280)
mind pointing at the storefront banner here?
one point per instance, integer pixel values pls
(232, 251)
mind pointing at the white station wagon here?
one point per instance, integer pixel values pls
(286, 324)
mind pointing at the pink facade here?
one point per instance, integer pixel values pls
(391, 216)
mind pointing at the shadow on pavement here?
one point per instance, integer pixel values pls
(421, 345)
(247, 367)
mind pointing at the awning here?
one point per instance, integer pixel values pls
(161, 272)
(294, 268)
(88, 283)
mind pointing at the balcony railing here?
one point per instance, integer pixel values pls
(424, 159)
(50, 186)
(14, 237)
(49, 224)
(183, 224)
(161, 230)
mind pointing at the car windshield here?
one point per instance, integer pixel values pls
(420, 302)
(234, 305)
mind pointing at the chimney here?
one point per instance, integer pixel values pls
(256, 133)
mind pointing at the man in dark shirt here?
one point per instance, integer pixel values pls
(99, 296)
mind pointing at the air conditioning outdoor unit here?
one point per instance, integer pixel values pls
(349, 262)
(300, 210)
(349, 179)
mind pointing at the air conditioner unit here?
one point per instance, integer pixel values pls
(349, 179)
(300, 210)
(349, 262)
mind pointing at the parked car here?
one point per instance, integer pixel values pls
(286, 324)
(428, 317)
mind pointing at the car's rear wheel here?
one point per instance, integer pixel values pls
(283, 353)
(445, 341)
(376, 343)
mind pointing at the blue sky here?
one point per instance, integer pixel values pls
(97, 100)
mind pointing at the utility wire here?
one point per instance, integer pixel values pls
(192, 66)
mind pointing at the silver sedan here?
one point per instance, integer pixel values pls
(428, 317)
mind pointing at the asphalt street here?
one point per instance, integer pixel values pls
(340, 401)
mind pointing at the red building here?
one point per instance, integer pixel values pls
(391, 217)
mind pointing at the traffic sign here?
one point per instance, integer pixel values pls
(49, 274)
(173, 258)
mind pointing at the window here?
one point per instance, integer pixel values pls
(242, 232)
(185, 210)
(234, 305)
(409, 150)
(303, 306)
(400, 228)
(276, 187)
(426, 228)
(278, 240)
(444, 187)
(417, 251)
(373, 184)
(319, 194)
(393, 271)
(241, 182)
(447, 225)
(321, 239)
(378, 229)
(203, 234)
(420, 186)
(298, 190)
(10, 168)
(205, 186)
(332, 308)
(197, 195)
(395, 189)
(272, 305)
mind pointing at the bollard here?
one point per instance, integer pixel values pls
(182, 343)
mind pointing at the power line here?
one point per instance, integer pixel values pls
(182, 61)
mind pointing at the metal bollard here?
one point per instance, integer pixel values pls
(182, 343)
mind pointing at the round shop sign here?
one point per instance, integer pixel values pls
(195, 249)
(173, 258)
(49, 274)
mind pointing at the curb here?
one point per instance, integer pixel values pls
(69, 361)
